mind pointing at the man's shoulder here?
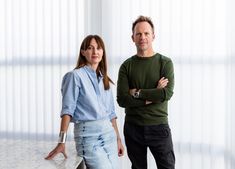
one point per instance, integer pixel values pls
(128, 60)
(164, 57)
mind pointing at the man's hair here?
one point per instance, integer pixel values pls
(142, 18)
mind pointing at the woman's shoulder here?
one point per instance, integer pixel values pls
(75, 72)
(73, 76)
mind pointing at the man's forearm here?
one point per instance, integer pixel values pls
(156, 95)
(128, 101)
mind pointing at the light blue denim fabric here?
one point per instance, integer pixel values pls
(84, 96)
(96, 142)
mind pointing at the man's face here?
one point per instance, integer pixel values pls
(143, 36)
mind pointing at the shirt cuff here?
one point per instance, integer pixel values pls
(65, 112)
(112, 116)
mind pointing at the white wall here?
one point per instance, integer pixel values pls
(40, 41)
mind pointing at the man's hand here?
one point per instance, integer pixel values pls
(148, 102)
(162, 83)
(132, 91)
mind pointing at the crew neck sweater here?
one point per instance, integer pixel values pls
(144, 73)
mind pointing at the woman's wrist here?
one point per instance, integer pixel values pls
(62, 137)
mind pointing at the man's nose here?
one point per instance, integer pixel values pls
(142, 36)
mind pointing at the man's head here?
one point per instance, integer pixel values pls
(143, 35)
(142, 19)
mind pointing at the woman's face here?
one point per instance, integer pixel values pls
(93, 53)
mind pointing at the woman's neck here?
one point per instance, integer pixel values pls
(93, 66)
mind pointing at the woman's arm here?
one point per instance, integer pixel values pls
(119, 141)
(60, 148)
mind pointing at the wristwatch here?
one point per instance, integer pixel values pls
(136, 95)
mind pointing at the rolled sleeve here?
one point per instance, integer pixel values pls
(112, 114)
(70, 91)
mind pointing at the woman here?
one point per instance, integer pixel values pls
(88, 103)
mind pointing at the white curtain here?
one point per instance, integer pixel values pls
(39, 42)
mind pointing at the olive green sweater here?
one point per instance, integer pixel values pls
(144, 73)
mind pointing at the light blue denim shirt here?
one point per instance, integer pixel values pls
(84, 97)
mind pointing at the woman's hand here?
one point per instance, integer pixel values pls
(60, 148)
(120, 147)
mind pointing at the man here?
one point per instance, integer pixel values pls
(145, 84)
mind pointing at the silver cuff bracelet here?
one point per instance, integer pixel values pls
(62, 137)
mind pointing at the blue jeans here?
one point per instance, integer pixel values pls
(96, 142)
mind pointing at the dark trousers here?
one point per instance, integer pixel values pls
(157, 138)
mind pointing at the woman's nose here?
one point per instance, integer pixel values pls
(94, 50)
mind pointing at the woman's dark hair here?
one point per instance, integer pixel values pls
(102, 67)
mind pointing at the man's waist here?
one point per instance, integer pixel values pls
(145, 120)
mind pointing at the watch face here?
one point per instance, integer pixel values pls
(136, 94)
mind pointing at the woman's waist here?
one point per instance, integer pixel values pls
(86, 116)
(92, 127)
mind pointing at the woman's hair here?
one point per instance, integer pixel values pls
(102, 67)
(142, 19)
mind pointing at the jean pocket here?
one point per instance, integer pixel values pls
(159, 132)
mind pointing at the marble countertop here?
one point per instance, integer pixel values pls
(29, 154)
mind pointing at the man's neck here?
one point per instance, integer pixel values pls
(145, 53)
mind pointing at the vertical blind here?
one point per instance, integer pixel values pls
(40, 41)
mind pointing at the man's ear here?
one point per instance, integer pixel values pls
(153, 35)
(132, 37)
